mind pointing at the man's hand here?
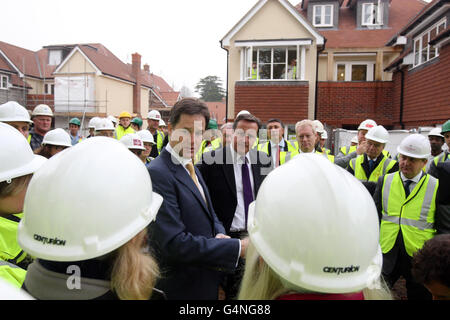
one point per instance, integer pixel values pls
(362, 148)
(222, 236)
(244, 245)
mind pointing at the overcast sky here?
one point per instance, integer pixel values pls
(179, 39)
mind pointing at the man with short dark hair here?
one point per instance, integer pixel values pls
(189, 241)
(278, 149)
(233, 175)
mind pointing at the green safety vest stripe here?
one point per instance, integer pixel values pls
(414, 214)
(29, 138)
(12, 273)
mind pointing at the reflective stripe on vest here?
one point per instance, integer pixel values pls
(414, 215)
(29, 138)
(12, 273)
(381, 169)
(441, 158)
(160, 140)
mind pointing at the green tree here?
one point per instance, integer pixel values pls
(210, 89)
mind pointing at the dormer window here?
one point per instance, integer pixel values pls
(323, 15)
(54, 57)
(372, 14)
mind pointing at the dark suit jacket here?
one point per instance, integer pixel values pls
(182, 236)
(219, 177)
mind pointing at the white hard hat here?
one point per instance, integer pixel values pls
(242, 112)
(415, 146)
(78, 223)
(319, 126)
(9, 292)
(327, 240)
(113, 119)
(42, 110)
(324, 135)
(378, 134)
(104, 124)
(146, 136)
(154, 115)
(57, 137)
(13, 111)
(133, 141)
(91, 124)
(16, 157)
(162, 123)
(434, 132)
(367, 124)
(354, 139)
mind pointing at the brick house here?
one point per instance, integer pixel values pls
(341, 50)
(79, 79)
(421, 78)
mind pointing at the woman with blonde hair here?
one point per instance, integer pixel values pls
(86, 217)
(17, 164)
(313, 236)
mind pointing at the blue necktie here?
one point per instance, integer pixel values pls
(247, 189)
(407, 183)
(371, 164)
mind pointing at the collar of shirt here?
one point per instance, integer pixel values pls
(239, 157)
(281, 144)
(415, 179)
(300, 151)
(181, 160)
(374, 160)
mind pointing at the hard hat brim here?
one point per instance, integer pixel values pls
(29, 168)
(411, 155)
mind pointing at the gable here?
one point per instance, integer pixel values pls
(76, 62)
(272, 19)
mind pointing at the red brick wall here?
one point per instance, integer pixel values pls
(34, 99)
(427, 92)
(288, 102)
(349, 103)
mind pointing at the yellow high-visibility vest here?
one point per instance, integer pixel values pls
(413, 215)
(284, 155)
(121, 131)
(381, 169)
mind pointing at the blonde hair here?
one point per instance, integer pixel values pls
(260, 282)
(134, 272)
(14, 186)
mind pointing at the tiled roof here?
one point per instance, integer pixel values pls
(346, 36)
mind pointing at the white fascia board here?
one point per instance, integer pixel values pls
(408, 59)
(226, 39)
(424, 23)
(354, 54)
(12, 64)
(401, 40)
(319, 38)
(159, 98)
(77, 49)
(273, 43)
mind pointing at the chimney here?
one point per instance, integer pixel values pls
(136, 73)
(147, 68)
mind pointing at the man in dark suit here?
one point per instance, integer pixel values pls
(233, 175)
(187, 238)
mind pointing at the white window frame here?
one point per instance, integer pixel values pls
(379, 20)
(322, 15)
(1, 82)
(51, 54)
(417, 54)
(48, 86)
(247, 57)
(348, 69)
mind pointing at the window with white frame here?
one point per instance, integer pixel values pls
(3, 82)
(372, 14)
(354, 71)
(273, 63)
(49, 88)
(323, 15)
(54, 57)
(423, 51)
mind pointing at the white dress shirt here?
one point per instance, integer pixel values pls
(415, 180)
(238, 222)
(184, 162)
